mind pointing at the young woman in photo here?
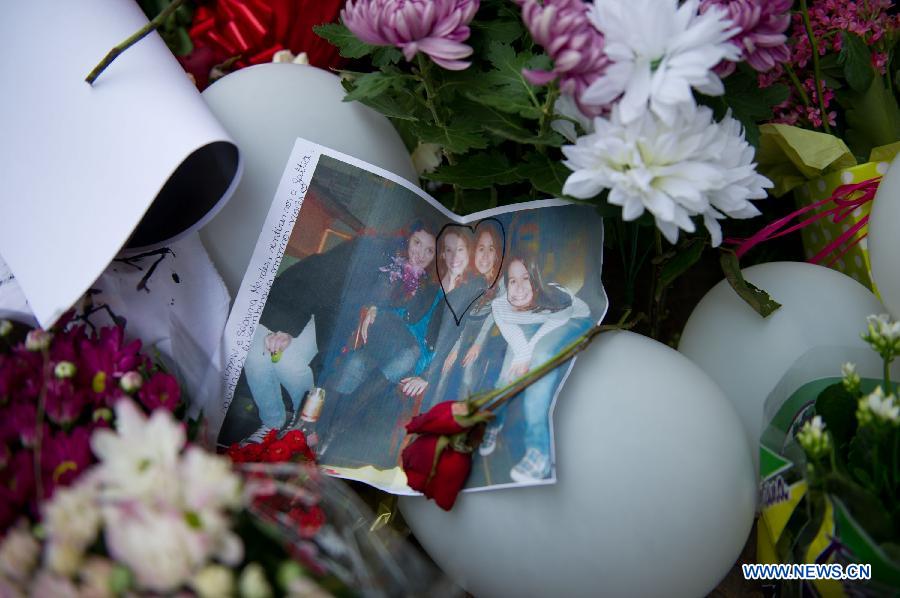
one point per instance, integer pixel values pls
(537, 320)
(388, 334)
(454, 256)
(479, 341)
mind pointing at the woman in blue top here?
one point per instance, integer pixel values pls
(393, 342)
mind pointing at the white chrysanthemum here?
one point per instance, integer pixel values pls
(140, 459)
(659, 51)
(695, 167)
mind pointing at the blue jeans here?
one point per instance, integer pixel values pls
(292, 371)
(363, 362)
(536, 399)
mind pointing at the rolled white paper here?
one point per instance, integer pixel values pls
(655, 493)
(266, 108)
(82, 165)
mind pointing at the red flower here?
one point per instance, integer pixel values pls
(64, 457)
(160, 392)
(440, 419)
(64, 403)
(278, 451)
(254, 31)
(436, 469)
(308, 520)
(298, 445)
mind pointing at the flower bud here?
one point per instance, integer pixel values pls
(103, 413)
(851, 379)
(814, 439)
(64, 369)
(131, 382)
(213, 581)
(253, 582)
(38, 340)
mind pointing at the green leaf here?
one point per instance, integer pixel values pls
(511, 127)
(503, 31)
(873, 118)
(348, 44)
(545, 174)
(857, 61)
(386, 56)
(864, 506)
(751, 104)
(504, 87)
(756, 298)
(686, 256)
(838, 409)
(371, 85)
(477, 171)
(458, 137)
(395, 103)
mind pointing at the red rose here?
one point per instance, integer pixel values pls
(440, 419)
(436, 469)
(278, 451)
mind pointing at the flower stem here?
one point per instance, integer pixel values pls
(39, 425)
(431, 104)
(547, 115)
(495, 398)
(137, 36)
(797, 84)
(887, 376)
(817, 72)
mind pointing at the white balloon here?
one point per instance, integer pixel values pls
(655, 493)
(747, 354)
(265, 108)
(884, 240)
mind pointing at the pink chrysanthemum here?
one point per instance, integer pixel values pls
(435, 27)
(761, 38)
(563, 29)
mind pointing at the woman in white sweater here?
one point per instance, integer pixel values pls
(537, 320)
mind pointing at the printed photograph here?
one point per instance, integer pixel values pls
(384, 306)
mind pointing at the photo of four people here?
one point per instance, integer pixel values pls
(390, 307)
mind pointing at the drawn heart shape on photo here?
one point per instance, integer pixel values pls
(474, 230)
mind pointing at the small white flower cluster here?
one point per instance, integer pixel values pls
(814, 438)
(164, 514)
(851, 379)
(657, 150)
(876, 408)
(883, 334)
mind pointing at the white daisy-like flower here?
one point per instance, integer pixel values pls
(658, 52)
(695, 167)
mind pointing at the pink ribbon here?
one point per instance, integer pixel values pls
(845, 198)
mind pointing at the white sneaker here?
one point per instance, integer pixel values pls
(489, 442)
(534, 467)
(257, 436)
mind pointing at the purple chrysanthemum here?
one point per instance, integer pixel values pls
(563, 29)
(761, 38)
(435, 27)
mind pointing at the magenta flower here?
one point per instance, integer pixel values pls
(563, 29)
(160, 392)
(64, 402)
(435, 27)
(16, 486)
(105, 359)
(64, 457)
(761, 38)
